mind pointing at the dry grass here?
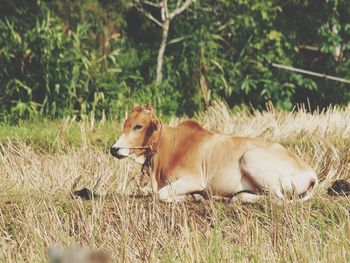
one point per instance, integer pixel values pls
(36, 211)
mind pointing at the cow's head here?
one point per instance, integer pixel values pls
(141, 129)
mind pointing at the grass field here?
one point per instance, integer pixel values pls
(41, 162)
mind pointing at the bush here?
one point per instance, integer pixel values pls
(49, 70)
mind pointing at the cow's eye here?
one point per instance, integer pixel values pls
(137, 127)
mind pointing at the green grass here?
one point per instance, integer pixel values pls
(51, 135)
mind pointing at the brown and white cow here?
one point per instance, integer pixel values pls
(189, 160)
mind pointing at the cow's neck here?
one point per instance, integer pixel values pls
(165, 147)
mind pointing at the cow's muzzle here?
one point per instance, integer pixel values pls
(115, 153)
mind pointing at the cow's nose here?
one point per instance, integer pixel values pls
(114, 151)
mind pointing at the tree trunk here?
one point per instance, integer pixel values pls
(165, 25)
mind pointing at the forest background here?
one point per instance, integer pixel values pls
(62, 58)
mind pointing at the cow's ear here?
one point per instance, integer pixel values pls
(155, 124)
(149, 107)
(136, 107)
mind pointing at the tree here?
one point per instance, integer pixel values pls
(166, 17)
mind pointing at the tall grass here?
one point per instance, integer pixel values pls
(36, 211)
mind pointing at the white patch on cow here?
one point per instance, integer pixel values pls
(140, 159)
(124, 152)
(123, 148)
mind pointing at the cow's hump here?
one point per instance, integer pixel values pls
(191, 124)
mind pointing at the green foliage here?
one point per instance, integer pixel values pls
(234, 43)
(52, 70)
(72, 58)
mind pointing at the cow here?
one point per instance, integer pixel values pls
(189, 162)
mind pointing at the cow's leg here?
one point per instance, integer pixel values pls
(247, 197)
(275, 170)
(180, 190)
(266, 178)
